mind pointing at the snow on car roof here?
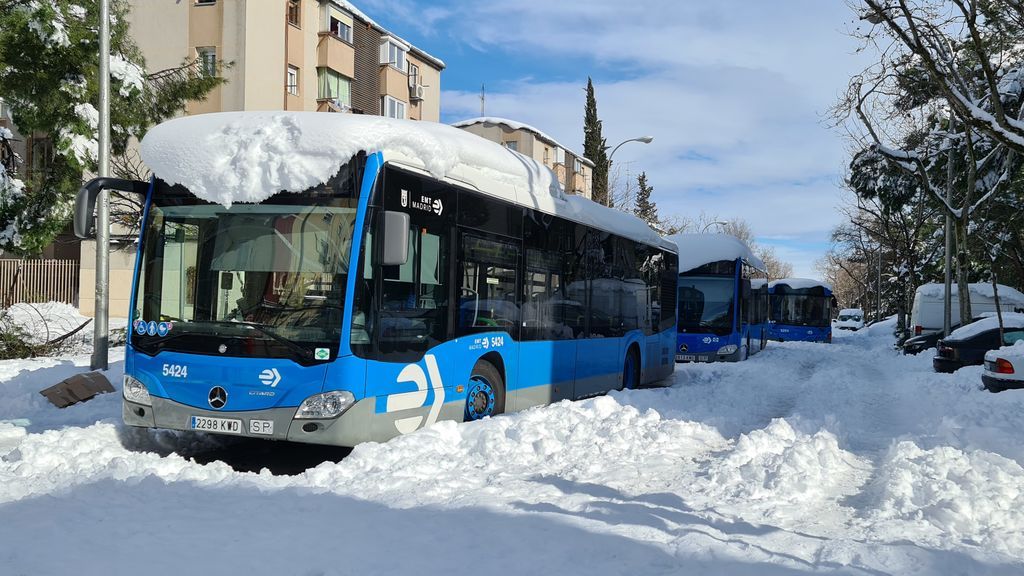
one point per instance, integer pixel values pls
(800, 283)
(851, 312)
(1010, 320)
(696, 250)
(233, 157)
(983, 289)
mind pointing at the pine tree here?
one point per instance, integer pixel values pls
(49, 76)
(645, 209)
(595, 148)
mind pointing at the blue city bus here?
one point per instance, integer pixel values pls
(801, 310)
(385, 298)
(721, 315)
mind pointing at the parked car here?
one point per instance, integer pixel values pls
(849, 319)
(967, 345)
(918, 344)
(1004, 368)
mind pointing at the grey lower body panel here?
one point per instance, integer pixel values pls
(360, 423)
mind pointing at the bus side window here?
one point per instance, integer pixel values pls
(487, 294)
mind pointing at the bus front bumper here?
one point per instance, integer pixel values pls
(350, 428)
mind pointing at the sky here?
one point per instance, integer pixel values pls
(735, 93)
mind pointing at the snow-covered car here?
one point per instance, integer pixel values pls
(1004, 368)
(967, 345)
(849, 319)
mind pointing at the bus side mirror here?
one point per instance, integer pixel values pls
(396, 238)
(85, 202)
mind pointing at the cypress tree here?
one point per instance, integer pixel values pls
(595, 148)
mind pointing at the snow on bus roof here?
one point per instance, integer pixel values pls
(696, 250)
(800, 283)
(983, 289)
(230, 157)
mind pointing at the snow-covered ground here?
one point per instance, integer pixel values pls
(844, 458)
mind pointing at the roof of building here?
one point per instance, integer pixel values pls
(249, 156)
(344, 4)
(520, 126)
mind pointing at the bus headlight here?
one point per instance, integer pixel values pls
(326, 405)
(727, 350)
(135, 391)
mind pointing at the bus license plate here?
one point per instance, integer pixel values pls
(691, 358)
(223, 425)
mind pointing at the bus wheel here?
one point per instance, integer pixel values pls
(486, 395)
(631, 370)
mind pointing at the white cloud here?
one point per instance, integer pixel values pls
(734, 94)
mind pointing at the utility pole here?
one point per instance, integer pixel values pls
(878, 295)
(483, 100)
(947, 300)
(101, 325)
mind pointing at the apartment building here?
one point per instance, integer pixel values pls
(314, 55)
(574, 172)
(323, 55)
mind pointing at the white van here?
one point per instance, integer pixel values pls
(926, 314)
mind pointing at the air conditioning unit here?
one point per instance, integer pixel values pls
(416, 92)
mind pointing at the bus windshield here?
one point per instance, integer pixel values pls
(801, 310)
(705, 304)
(270, 275)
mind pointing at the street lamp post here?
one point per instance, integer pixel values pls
(644, 139)
(709, 224)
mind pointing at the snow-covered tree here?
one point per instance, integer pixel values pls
(944, 67)
(49, 77)
(644, 208)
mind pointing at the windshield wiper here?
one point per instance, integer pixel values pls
(262, 329)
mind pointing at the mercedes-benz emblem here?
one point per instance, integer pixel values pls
(218, 397)
(683, 347)
(222, 348)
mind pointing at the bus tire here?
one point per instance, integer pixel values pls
(486, 395)
(630, 370)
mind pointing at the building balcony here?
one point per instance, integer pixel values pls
(334, 53)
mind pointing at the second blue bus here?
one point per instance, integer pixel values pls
(723, 313)
(801, 310)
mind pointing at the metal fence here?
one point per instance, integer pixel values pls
(38, 281)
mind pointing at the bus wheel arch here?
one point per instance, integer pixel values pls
(485, 395)
(631, 364)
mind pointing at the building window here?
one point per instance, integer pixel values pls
(293, 81)
(393, 53)
(547, 155)
(334, 86)
(512, 145)
(295, 13)
(207, 57)
(392, 108)
(205, 2)
(577, 166)
(339, 24)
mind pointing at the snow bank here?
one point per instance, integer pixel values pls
(952, 495)
(696, 250)
(778, 464)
